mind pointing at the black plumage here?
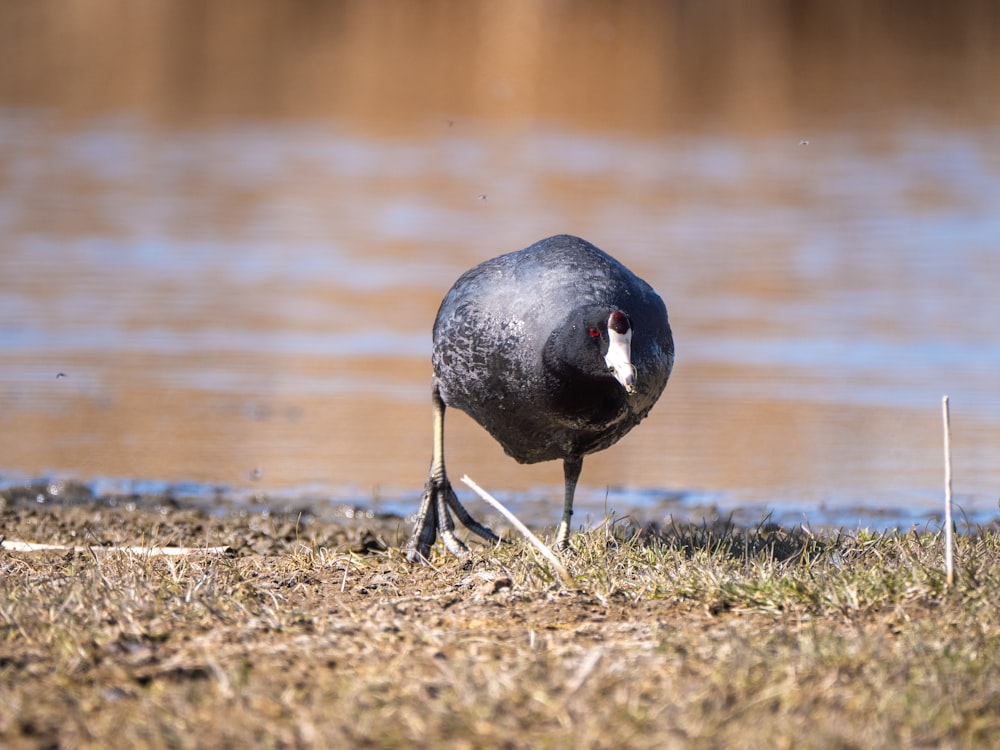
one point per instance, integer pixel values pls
(557, 350)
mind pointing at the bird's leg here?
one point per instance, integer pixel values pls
(424, 528)
(571, 470)
(434, 516)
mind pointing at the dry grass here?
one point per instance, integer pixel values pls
(693, 636)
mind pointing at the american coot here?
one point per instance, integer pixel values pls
(557, 350)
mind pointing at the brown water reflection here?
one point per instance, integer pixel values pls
(229, 225)
(643, 66)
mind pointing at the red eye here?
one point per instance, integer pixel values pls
(594, 333)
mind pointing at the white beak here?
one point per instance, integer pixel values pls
(619, 358)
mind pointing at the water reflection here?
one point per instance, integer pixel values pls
(239, 290)
(821, 308)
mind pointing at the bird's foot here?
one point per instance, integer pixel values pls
(434, 519)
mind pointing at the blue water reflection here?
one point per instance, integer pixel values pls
(839, 270)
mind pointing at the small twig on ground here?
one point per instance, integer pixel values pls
(587, 664)
(949, 541)
(15, 545)
(547, 553)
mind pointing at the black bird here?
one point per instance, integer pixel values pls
(557, 350)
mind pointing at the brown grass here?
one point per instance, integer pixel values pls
(309, 636)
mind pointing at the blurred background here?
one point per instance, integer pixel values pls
(225, 228)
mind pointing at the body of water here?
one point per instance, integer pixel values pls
(241, 305)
